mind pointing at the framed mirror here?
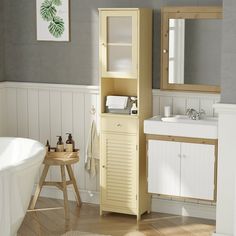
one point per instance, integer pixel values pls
(191, 48)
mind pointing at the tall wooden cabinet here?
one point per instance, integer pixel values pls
(125, 48)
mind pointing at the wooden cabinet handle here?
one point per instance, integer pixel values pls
(118, 125)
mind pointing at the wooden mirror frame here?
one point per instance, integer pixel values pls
(206, 12)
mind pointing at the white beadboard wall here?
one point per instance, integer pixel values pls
(43, 111)
(181, 101)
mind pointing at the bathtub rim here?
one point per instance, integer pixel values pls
(29, 161)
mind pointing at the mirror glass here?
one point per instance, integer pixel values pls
(194, 51)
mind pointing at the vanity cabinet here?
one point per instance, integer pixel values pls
(125, 48)
(182, 169)
(197, 171)
(163, 167)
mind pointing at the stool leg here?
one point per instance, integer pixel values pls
(63, 177)
(39, 187)
(72, 177)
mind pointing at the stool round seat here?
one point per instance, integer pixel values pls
(56, 161)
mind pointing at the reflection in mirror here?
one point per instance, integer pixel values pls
(194, 51)
(176, 51)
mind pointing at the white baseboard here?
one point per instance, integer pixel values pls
(158, 205)
(215, 234)
(183, 208)
(86, 196)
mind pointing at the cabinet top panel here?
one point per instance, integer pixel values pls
(193, 9)
(205, 129)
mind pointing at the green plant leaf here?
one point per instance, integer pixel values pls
(56, 27)
(56, 2)
(47, 10)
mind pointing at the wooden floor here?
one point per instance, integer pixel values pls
(87, 219)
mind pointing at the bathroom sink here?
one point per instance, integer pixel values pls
(182, 126)
(186, 119)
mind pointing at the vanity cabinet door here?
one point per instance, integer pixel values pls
(118, 170)
(164, 167)
(197, 171)
(119, 44)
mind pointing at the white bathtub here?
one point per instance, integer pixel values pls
(20, 160)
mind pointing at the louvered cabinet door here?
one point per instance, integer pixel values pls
(118, 167)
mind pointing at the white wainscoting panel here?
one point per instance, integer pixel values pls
(179, 105)
(183, 208)
(22, 112)
(181, 101)
(2, 111)
(43, 111)
(78, 129)
(33, 114)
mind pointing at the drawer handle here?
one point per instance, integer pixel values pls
(103, 166)
(118, 125)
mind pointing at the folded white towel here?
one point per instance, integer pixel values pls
(117, 102)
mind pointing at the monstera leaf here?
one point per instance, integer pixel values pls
(56, 2)
(56, 27)
(47, 10)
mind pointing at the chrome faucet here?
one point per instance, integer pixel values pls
(194, 115)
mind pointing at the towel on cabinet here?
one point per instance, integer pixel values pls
(92, 151)
(117, 102)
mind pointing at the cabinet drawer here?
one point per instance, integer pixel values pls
(119, 124)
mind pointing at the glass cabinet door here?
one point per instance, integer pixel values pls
(119, 44)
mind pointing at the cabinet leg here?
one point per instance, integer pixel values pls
(149, 204)
(39, 187)
(63, 177)
(138, 217)
(101, 212)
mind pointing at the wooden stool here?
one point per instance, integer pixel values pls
(64, 160)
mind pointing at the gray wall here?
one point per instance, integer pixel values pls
(75, 62)
(228, 79)
(1, 40)
(203, 51)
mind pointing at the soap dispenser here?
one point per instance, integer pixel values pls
(48, 146)
(70, 143)
(60, 145)
(134, 109)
